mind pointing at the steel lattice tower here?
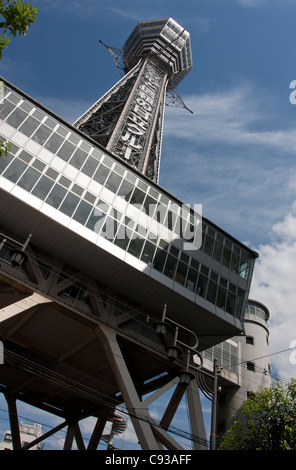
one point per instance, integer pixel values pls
(128, 119)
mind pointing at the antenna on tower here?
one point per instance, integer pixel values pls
(117, 56)
(173, 97)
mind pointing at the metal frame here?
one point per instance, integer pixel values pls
(152, 435)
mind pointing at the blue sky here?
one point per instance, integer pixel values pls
(235, 154)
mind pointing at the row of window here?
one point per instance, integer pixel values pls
(114, 177)
(60, 192)
(226, 354)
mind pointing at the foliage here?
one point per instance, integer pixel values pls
(17, 18)
(266, 420)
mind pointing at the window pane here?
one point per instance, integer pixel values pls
(113, 182)
(28, 179)
(212, 292)
(126, 189)
(148, 252)
(66, 151)
(191, 279)
(123, 237)
(15, 170)
(54, 142)
(42, 134)
(96, 219)
(17, 117)
(137, 197)
(136, 246)
(69, 204)
(78, 158)
(5, 108)
(101, 174)
(4, 162)
(202, 285)
(43, 187)
(82, 212)
(159, 260)
(90, 166)
(56, 196)
(181, 273)
(29, 126)
(170, 266)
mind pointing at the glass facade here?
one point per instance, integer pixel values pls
(63, 169)
(226, 354)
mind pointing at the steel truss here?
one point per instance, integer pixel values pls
(56, 384)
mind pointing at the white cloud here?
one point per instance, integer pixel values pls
(274, 285)
(235, 156)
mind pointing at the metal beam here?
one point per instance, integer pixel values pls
(139, 414)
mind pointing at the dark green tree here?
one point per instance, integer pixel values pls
(266, 420)
(17, 17)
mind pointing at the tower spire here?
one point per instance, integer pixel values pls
(128, 119)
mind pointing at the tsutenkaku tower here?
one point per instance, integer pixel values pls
(128, 119)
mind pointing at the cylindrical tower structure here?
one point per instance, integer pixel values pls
(254, 366)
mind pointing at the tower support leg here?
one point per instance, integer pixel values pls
(13, 419)
(196, 416)
(139, 414)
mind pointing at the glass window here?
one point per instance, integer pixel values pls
(78, 158)
(125, 190)
(235, 263)
(101, 174)
(52, 173)
(221, 297)
(56, 196)
(218, 251)
(16, 117)
(208, 245)
(137, 197)
(66, 150)
(82, 212)
(4, 162)
(159, 259)
(96, 219)
(5, 108)
(135, 246)
(212, 292)
(191, 279)
(113, 182)
(230, 304)
(202, 284)
(90, 166)
(148, 252)
(43, 187)
(54, 142)
(15, 170)
(42, 134)
(25, 156)
(69, 205)
(123, 237)
(29, 126)
(29, 178)
(226, 257)
(181, 273)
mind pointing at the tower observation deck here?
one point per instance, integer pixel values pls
(128, 119)
(105, 275)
